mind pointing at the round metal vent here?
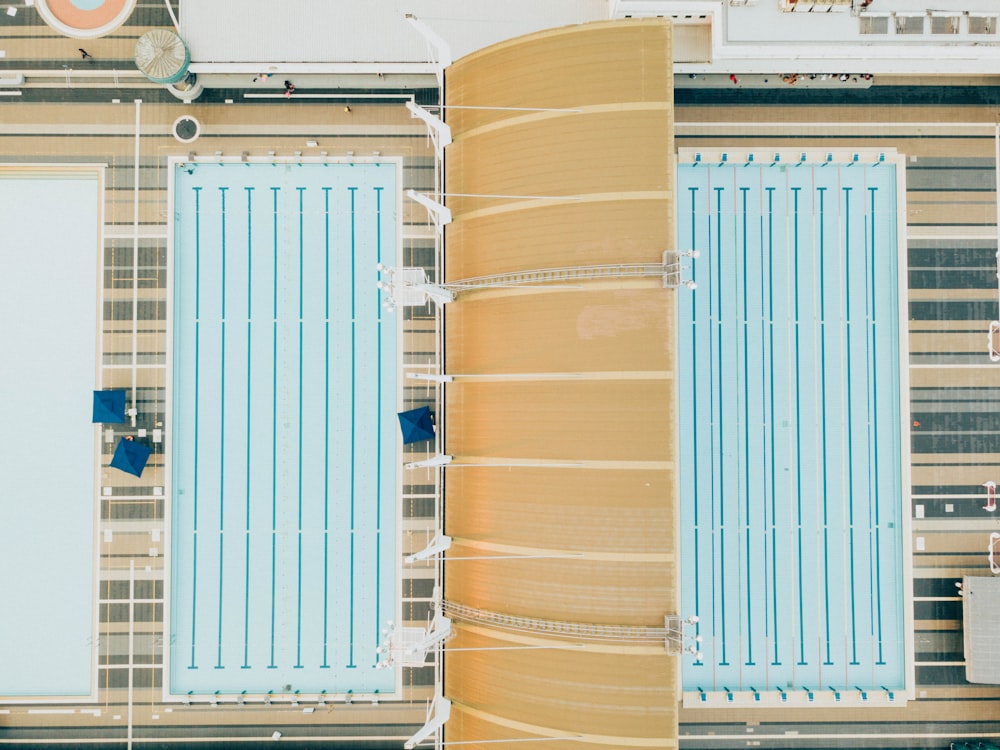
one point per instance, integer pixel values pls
(186, 128)
(161, 56)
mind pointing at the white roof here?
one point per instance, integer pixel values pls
(365, 32)
(899, 37)
(980, 614)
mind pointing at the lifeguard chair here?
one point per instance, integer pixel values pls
(991, 496)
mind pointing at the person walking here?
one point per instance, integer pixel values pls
(289, 88)
(84, 54)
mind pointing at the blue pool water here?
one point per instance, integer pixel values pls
(47, 519)
(790, 392)
(283, 507)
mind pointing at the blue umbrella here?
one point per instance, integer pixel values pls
(130, 457)
(416, 425)
(109, 406)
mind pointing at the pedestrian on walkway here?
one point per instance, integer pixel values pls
(289, 88)
(733, 78)
(84, 54)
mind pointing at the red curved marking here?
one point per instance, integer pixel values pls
(72, 16)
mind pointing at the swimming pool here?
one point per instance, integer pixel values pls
(47, 449)
(790, 382)
(283, 451)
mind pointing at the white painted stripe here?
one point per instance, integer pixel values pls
(972, 366)
(837, 736)
(190, 739)
(387, 95)
(30, 169)
(414, 233)
(939, 663)
(84, 73)
(805, 129)
(123, 232)
(328, 68)
(948, 233)
(980, 496)
(134, 367)
(135, 296)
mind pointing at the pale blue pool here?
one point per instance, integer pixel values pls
(47, 452)
(792, 496)
(283, 507)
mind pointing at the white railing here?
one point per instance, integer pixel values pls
(671, 633)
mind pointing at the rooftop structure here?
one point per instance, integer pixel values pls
(878, 37)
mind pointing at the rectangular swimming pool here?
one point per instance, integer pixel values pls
(49, 281)
(284, 435)
(790, 385)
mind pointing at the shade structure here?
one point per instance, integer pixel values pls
(416, 425)
(563, 419)
(109, 406)
(130, 457)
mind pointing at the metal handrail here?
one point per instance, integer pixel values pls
(549, 275)
(582, 631)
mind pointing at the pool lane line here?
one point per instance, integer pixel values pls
(712, 261)
(746, 437)
(326, 424)
(869, 424)
(246, 545)
(694, 409)
(798, 422)
(765, 447)
(770, 316)
(350, 647)
(722, 465)
(274, 418)
(197, 374)
(378, 438)
(850, 422)
(822, 432)
(878, 545)
(222, 428)
(298, 585)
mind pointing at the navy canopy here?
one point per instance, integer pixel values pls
(130, 457)
(109, 406)
(416, 425)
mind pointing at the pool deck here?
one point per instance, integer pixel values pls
(68, 115)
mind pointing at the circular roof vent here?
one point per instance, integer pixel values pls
(186, 128)
(161, 56)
